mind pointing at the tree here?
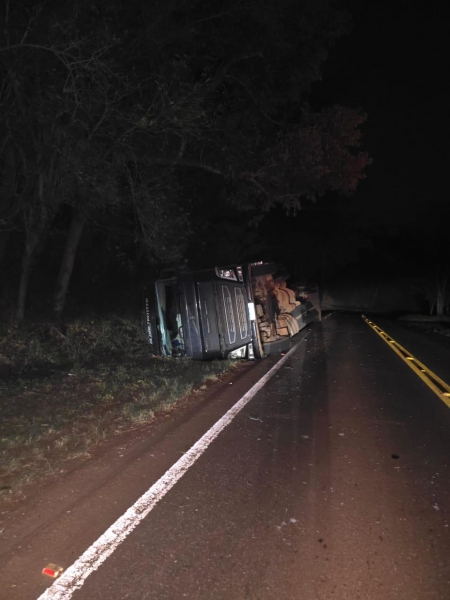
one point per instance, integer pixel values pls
(113, 111)
(85, 118)
(317, 156)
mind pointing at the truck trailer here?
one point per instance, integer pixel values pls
(237, 311)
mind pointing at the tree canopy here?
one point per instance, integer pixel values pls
(116, 118)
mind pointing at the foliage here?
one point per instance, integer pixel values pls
(44, 346)
(312, 158)
(109, 113)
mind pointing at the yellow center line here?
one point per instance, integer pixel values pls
(435, 383)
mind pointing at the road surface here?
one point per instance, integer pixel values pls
(331, 482)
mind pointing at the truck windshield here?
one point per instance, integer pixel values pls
(169, 318)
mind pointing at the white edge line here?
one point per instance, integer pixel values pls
(74, 577)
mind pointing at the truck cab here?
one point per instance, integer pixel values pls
(237, 311)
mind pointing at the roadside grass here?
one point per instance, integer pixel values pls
(67, 392)
(42, 345)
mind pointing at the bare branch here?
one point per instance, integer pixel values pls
(30, 23)
(183, 144)
(6, 21)
(186, 162)
(258, 185)
(59, 55)
(223, 71)
(212, 17)
(253, 98)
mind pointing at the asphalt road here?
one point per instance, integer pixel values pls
(331, 483)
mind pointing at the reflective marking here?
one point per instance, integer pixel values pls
(75, 576)
(435, 383)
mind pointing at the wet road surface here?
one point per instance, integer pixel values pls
(333, 482)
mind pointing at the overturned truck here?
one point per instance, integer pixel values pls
(238, 311)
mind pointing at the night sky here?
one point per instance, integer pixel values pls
(395, 64)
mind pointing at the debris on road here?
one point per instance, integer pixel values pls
(52, 570)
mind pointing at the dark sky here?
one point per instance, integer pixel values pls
(395, 64)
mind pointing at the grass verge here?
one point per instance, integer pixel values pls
(65, 395)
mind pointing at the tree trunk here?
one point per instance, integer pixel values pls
(4, 236)
(27, 260)
(440, 294)
(65, 272)
(439, 304)
(36, 221)
(8, 200)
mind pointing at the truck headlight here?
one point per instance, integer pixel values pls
(226, 274)
(238, 353)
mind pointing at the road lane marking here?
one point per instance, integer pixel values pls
(74, 577)
(435, 383)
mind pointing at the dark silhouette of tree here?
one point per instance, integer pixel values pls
(317, 156)
(109, 112)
